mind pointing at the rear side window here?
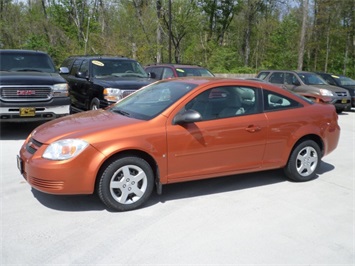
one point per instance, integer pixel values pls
(167, 73)
(262, 75)
(75, 67)
(275, 102)
(277, 78)
(156, 71)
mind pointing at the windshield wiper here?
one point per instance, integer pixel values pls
(121, 112)
(28, 69)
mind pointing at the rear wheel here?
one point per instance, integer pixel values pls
(304, 161)
(126, 183)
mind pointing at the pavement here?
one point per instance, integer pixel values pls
(250, 219)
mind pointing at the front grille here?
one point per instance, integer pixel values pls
(33, 145)
(341, 93)
(25, 93)
(127, 92)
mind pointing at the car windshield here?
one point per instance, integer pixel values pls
(151, 100)
(189, 71)
(345, 81)
(117, 67)
(17, 61)
(312, 79)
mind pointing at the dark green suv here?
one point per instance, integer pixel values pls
(98, 81)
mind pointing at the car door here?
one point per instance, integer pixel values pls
(74, 83)
(217, 145)
(292, 82)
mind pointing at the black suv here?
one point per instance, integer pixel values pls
(98, 81)
(31, 89)
(340, 81)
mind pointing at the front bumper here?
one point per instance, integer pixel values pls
(342, 104)
(69, 177)
(34, 111)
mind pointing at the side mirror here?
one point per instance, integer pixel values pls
(63, 70)
(189, 116)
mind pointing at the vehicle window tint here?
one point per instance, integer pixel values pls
(17, 61)
(156, 71)
(84, 66)
(68, 62)
(76, 66)
(277, 78)
(329, 80)
(290, 78)
(262, 75)
(167, 73)
(223, 102)
(274, 101)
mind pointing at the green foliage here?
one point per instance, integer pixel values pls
(231, 36)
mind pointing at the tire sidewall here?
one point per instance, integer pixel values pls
(291, 170)
(95, 102)
(104, 191)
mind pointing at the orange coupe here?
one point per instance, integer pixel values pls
(179, 130)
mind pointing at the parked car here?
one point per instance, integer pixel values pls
(308, 83)
(165, 71)
(179, 130)
(98, 81)
(31, 88)
(341, 81)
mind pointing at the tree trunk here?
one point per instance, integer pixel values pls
(303, 36)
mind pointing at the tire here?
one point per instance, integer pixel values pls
(126, 184)
(304, 161)
(95, 104)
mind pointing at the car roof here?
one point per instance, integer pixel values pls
(284, 70)
(101, 57)
(176, 65)
(21, 51)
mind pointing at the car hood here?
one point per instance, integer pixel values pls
(28, 77)
(328, 87)
(84, 125)
(123, 82)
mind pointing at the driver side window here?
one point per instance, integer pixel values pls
(224, 102)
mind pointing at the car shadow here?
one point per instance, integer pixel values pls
(175, 191)
(17, 131)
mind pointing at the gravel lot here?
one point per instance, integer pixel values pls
(259, 218)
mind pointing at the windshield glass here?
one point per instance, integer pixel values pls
(18, 61)
(117, 67)
(344, 81)
(186, 71)
(312, 79)
(152, 100)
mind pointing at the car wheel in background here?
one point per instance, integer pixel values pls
(126, 183)
(95, 104)
(304, 161)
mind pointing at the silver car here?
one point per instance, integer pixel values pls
(308, 83)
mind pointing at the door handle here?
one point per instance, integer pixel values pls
(253, 128)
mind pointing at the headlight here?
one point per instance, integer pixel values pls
(60, 90)
(112, 95)
(325, 92)
(64, 149)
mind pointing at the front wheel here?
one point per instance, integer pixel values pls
(126, 183)
(95, 104)
(304, 161)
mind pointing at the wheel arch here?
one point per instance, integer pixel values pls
(317, 139)
(121, 154)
